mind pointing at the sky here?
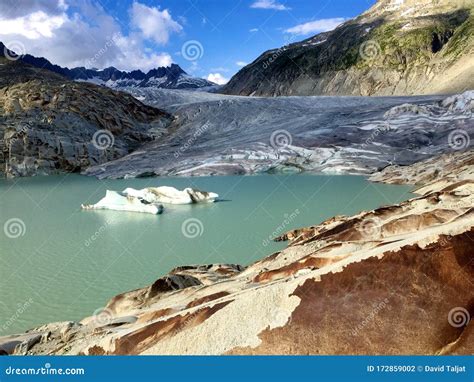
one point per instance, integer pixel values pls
(211, 39)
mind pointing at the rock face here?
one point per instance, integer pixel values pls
(171, 195)
(395, 280)
(123, 202)
(395, 48)
(433, 173)
(50, 124)
(226, 135)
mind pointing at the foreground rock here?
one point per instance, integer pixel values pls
(171, 195)
(224, 135)
(395, 280)
(120, 202)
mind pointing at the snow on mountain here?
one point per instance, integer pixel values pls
(171, 77)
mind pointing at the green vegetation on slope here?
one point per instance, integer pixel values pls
(411, 43)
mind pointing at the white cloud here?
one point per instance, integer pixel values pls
(134, 56)
(316, 26)
(33, 26)
(11, 10)
(153, 23)
(269, 4)
(88, 37)
(241, 63)
(253, 30)
(217, 78)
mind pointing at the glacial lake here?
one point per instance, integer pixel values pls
(58, 262)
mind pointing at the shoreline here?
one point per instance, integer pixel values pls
(269, 244)
(317, 250)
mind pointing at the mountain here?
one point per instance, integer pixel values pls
(172, 77)
(50, 124)
(398, 47)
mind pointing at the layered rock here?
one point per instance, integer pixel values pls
(395, 280)
(50, 124)
(395, 48)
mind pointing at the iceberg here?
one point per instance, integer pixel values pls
(119, 202)
(171, 195)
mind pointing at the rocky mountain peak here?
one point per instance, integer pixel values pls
(169, 77)
(397, 47)
(415, 8)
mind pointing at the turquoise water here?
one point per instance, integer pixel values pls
(63, 263)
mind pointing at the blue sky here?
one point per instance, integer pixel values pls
(205, 37)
